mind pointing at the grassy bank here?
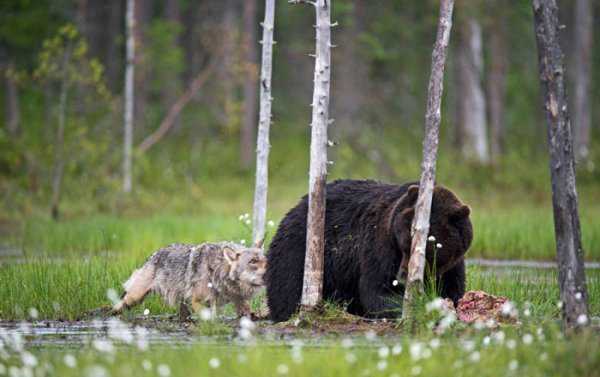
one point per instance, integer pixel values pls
(67, 289)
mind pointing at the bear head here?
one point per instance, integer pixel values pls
(450, 230)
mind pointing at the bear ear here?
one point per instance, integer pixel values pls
(259, 243)
(460, 213)
(412, 193)
(406, 216)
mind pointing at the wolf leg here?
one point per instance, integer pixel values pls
(136, 288)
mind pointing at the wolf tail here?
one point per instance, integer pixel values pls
(139, 284)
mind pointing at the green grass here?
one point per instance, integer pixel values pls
(511, 232)
(67, 289)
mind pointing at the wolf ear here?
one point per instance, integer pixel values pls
(259, 243)
(230, 255)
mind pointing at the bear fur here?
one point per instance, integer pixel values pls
(367, 248)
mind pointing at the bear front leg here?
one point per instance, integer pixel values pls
(377, 302)
(452, 282)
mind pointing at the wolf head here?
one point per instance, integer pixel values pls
(247, 266)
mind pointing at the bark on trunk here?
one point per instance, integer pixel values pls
(264, 123)
(582, 71)
(113, 55)
(496, 88)
(226, 73)
(312, 289)
(571, 273)
(59, 155)
(129, 97)
(13, 114)
(472, 101)
(420, 225)
(250, 92)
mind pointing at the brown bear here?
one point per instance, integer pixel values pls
(367, 247)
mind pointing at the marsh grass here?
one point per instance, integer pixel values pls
(72, 287)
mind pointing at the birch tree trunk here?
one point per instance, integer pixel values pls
(472, 113)
(420, 225)
(264, 123)
(59, 155)
(582, 76)
(250, 92)
(128, 113)
(496, 81)
(571, 273)
(312, 289)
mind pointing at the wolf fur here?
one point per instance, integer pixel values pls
(205, 275)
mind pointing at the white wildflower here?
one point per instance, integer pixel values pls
(434, 343)
(214, 363)
(33, 313)
(205, 314)
(350, 358)
(147, 365)
(112, 296)
(527, 339)
(475, 357)
(163, 370)
(438, 245)
(578, 296)
(582, 319)
(383, 352)
(382, 365)
(96, 371)
(416, 370)
(397, 349)
(431, 239)
(282, 369)
(103, 345)
(70, 360)
(347, 343)
(513, 365)
(242, 242)
(395, 282)
(146, 312)
(28, 359)
(511, 344)
(270, 223)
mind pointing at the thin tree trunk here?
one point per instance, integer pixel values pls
(582, 71)
(496, 82)
(472, 102)
(13, 114)
(420, 225)
(129, 97)
(264, 123)
(250, 92)
(59, 157)
(175, 109)
(312, 289)
(571, 273)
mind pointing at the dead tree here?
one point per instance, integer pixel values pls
(582, 116)
(471, 103)
(571, 273)
(128, 113)
(312, 289)
(169, 120)
(420, 225)
(264, 123)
